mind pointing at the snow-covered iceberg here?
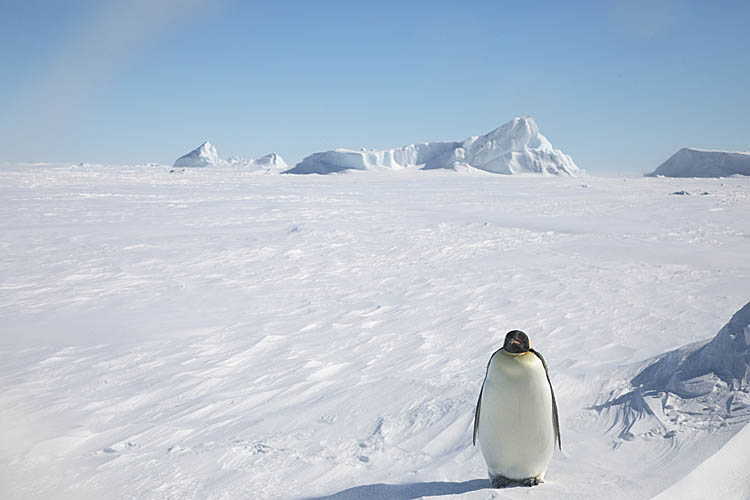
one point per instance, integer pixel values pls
(205, 155)
(516, 147)
(271, 161)
(691, 162)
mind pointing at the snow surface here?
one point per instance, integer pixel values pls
(726, 357)
(516, 147)
(691, 162)
(206, 155)
(213, 334)
(723, 476)
(702, 386)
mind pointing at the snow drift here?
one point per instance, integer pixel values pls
(703, 384)
(690, 162)
(205, 155)
(724, 475)
(516, 147)
(694, 370)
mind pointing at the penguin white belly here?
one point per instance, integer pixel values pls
(516, 430)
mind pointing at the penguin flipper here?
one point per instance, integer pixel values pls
(476, 414)
(479, 400)
(555, 418)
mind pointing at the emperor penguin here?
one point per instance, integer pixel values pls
(516, 419)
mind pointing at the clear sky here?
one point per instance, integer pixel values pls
(618, 85)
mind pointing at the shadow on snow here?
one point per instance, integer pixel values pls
(406, 491)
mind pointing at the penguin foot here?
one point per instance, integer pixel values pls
(531, 481)
(501, 481)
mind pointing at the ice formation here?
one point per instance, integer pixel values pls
(703, 385)
(205, 155)
(516, 147)
(694, 370)
(691, 162)
(271, 161)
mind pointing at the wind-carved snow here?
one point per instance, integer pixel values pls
(703, 385)
(516, 147)
(692, 162)
(206, 155)
(219, 335)
(723, 476)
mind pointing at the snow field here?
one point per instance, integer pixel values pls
(216, 334)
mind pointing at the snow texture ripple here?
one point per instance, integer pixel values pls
(214, 333)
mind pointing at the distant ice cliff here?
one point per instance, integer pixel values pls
(205, 155)
(690, 162)
(516, 147)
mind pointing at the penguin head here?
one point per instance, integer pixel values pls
(516, 342)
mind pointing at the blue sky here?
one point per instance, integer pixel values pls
(618, 85)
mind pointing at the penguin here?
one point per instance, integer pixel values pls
(516, 420)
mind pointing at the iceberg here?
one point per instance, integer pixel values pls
(691, 162)
(205, 155)
(515, 147)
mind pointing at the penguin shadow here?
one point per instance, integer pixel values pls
(406, 491)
